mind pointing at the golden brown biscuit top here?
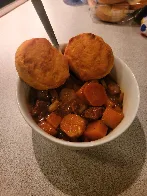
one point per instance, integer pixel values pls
(89, 56)
(40, 64)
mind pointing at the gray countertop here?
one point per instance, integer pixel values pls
(29, 164)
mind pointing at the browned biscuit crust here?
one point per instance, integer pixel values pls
(112, 13)
(133, 2)
(89, 56)
(41, 65)
(111, 1)
(138, 5)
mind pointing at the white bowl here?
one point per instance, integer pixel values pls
(124, 77)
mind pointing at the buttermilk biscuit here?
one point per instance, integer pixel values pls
(89, 56)
(41, 65)
(133, 2)
(138, 5)
(112, 13)
(110, 1)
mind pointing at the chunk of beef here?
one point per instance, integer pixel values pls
(94, 113)
(40, 109)
(74, 106)
(67, 95)
(113, 89)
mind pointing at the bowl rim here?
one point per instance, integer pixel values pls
(101, 141)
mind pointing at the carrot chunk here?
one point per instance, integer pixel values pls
(44, 125)
(96, 130)
(80, 93)
(95, 94)
(112, 117)
(54, 120)
(73, 125)
(117, 108)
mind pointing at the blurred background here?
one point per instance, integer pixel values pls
(5, 2)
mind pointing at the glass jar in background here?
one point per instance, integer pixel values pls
(75, 2)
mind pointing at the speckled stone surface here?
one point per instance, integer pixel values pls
(32, 166)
